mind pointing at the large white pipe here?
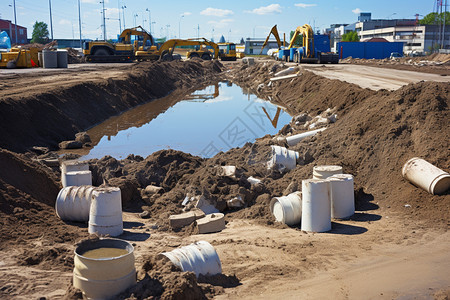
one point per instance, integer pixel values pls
(425, 175)
(316, 206)
(295, 139)
(199, 257)
(283, 159)
(77, 178)
(105, 216)
(73, 203)
(342, 196)
(287, 209)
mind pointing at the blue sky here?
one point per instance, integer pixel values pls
(233, 19)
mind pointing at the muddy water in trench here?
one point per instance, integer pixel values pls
(217, 118)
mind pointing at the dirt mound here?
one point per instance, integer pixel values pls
(159, 278)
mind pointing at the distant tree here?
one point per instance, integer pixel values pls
(222, 39)
(242, 41)
(40, 32)
(435, 19)
(351, 36)
(298, 40)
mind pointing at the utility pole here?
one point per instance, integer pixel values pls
(198, 31)
(15, 20)
(51, 23)
(120, 23)
(104, 22)
(79, 23)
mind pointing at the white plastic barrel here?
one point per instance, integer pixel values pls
(199, 257)
(76, 178)
(323, 172)
(103, 278)
(283, 158)
(105, 215)
(62, 60)
(73, 203)
(287, 209)
(342, 196)
(50, 59)
(316, 206)
(427, 176)
(295, 139)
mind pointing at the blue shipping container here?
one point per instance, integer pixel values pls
(322, 43)
(368, 50)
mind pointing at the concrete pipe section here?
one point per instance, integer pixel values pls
(427, 176)
(199, 257)
(104, 268)
(342, 196)
(105, 215)
(323, 172)
(73, 203)
(282, 159)
(287, 209)
(316, 206)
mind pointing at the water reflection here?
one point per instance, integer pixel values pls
(210, 120)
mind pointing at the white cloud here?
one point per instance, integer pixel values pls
(222, 23)
(304, 5)
(64, 22)
(265, 10)
(216, 12)
(356, 11)
(187, 13)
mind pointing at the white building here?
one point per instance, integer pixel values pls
(253, 46)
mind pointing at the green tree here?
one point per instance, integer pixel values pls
(435, 19)
(351, 36)
(298, 40)
(40, 32)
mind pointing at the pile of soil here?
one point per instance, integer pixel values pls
(436, 63)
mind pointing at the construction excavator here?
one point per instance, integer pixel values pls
(273, 31)
(124, 50)
(206, 50)
(310, 51)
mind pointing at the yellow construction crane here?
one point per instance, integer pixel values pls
(273, 31)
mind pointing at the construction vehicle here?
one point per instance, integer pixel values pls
(315, 48)
(273, 31)
(19, 58)
(209, 50)
(124, 50)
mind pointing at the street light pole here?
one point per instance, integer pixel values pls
(120, 23)
(104, 22)
(123, 14)
(15, 20)
(179, 27)
(149, 20)
(79, 23)
(51, 23)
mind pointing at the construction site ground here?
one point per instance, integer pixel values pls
(396, 246)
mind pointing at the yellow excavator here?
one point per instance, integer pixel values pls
(273, 31)
(124, 50)
(207, 50)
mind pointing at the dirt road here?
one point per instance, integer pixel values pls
(372, 77)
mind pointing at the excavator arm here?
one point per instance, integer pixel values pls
(273, 31)
(125, 36)
(308, 39)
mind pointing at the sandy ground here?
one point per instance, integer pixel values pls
(374, 78)
(387, 250)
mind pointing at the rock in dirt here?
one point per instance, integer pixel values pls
(70, 145)
(83, 138)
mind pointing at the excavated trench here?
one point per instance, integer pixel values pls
(375, 133)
